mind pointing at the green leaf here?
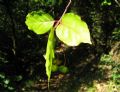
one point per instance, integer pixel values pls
(72, 30)
(106, 2)
(39, 22)
(6, 81)
(63, 69)
(54, 68)
(50, 54)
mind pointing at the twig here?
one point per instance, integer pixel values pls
(117, 2)
(66, 8)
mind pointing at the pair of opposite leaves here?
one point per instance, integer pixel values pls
(71, 30)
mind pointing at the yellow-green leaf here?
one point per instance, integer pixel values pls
(72, 30)
(39, 22)
(50, 54)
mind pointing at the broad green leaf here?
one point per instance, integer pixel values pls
(72, 30)
(50, 54)
(39, 22)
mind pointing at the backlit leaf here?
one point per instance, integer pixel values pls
(72, 30)
(50, 54)
(39, 22)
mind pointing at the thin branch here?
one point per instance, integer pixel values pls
(66, 8)
(117, 3)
